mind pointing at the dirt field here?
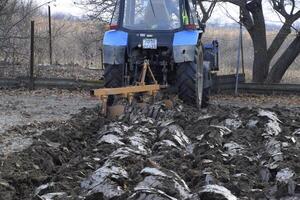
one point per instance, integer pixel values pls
(227, 151)
(33, 109)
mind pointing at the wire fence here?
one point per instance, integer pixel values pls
(77, 52)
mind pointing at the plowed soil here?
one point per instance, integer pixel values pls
(155, 152)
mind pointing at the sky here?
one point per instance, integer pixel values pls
(220, 14)
(230, 13)
(63, 6)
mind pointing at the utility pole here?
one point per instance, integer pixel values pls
(31, 57)
(50, 36)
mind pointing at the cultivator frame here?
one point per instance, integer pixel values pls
(129, 91)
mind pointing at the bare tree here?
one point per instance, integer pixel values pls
(14, 29)
(98, 9)
(102, 9)
(291, 53)
(252, 17)
(89, 44)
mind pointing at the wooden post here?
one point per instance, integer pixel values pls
(242, 48)
(242, 45)
(50, 36)
(32, 57)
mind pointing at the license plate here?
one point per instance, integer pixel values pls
(150, 43)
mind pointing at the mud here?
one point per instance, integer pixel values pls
(153, 152)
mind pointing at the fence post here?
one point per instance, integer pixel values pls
(31, 86)
(50, 36)
(239, 56)
(242, 48)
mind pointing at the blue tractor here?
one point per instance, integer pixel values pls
(167, 34)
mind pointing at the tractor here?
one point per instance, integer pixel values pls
(154, 45)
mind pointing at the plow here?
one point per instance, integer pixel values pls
(128, 92)
(154, 45)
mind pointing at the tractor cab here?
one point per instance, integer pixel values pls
(154, 28)
(154, 15)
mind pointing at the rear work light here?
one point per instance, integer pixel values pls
(113, 26)
(190, 26)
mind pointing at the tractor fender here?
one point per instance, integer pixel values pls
(207, 81)
(184, 44)
(114, 55)
(114, 47)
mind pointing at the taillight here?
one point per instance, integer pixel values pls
(113, 26)
(190, 26)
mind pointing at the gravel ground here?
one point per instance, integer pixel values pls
(24, 108)
(252, 100)
(152, 152)
(52, 71)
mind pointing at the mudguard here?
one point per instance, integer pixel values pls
(207, 82)
(184, 44)
(114, 47)
(211, 54)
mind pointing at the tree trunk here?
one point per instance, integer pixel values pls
(260, 63)
(285, 60)
(259, 39)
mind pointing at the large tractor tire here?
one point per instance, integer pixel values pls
(189, 84)
(205, 97)
(113, 78)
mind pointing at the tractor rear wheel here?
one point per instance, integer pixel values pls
(190, 81)
(113, 78)
(205, 97)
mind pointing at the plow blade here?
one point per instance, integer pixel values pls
(127, 92)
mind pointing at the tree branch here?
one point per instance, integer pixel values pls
(246, 17)
(278, 40)
(295, 16)
(284, 61)
(285, 30)
(206, 13)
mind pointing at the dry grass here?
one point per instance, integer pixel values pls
(74, 42)
(228, 42)
(291, 76)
